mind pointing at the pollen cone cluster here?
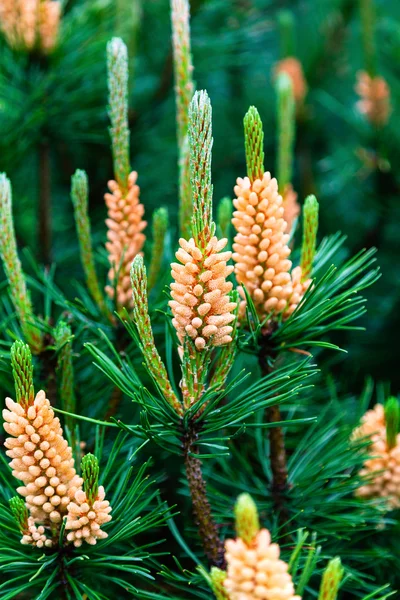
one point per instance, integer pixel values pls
(255, 570)
(383, 469)
(290, 206)
(85, 519)
(292, 67)
(29, 24)
(201, 305)
(41, 459)
(35, 535)
(375, 98)
(261, 250)
(125, 238)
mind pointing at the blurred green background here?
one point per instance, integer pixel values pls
(53, 119)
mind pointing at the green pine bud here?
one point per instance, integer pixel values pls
(218, 577)
(90, 475)
(310, 229)
(22, 368)
(20, 512)
(392, 418)
(331, 578)
(160, 228)
(254, 144)
(246, 518)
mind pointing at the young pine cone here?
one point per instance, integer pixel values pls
(28, 24)
(254, 570)
(292, 67)
(383, 469)
(84, 520)
(125, 238)
(35, 535)
(375, 98)
(201, 305)
(41, 459)
(260, 249)
(49, 23)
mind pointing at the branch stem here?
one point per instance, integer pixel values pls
(44, 229)
(208, 530)
(276, 447)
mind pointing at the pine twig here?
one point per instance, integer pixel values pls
(44, 217)
(276, 445)
(208, 531)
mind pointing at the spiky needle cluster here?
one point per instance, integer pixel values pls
(382, 468)
(201, 305)
(254, 569)
(125, 212)
(42, 460)
(31, 24)
(13, 270)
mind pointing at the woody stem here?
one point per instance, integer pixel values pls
(208, 530)
(276, 446)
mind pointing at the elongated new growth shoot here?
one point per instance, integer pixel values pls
(13, 269)
(310, 230)
(79, 195)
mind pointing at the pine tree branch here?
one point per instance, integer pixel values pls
(208, 530)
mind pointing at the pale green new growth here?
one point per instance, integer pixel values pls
(331, 579)
(141, 319)
(217, 578)
(200, 142)
(224, 216)
(90, 476)
(22, 369)
(367, 13)
(20, 512)
(392, 418)
(184, 88)
(286, 120)
(254, 144)
(65, 369)
(160, 228)
(117, 65)
(247, 523)
(310, 229)
(13, 269)
(79, 195)
(286, 33)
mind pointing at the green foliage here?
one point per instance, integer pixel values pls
(118, 379)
